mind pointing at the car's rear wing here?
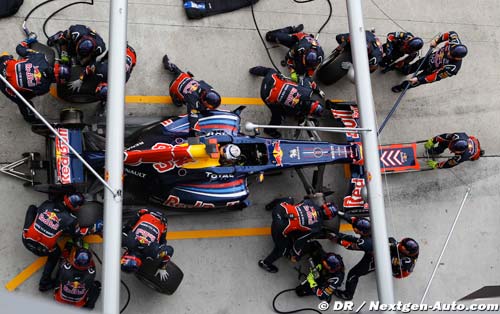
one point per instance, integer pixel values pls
(393, 158)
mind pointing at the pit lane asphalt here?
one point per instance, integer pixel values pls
(221, 275)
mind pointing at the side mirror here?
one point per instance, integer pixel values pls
(251, 127)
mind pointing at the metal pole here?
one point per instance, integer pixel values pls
(396, 104)
(436, 266)
(51, 128)
(114, 156)
(371, 155)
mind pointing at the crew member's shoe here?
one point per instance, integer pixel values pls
(45, 284)
(397, 89)
(268, 267)
(167, 64)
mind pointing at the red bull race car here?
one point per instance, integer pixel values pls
(166, 169)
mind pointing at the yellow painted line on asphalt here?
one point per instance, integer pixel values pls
(347, 171)
(140, 99)
(215, 233)
(145, 99)
(172, 235)
(25, 274)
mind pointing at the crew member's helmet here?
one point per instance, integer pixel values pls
(85, 46)
(362, 226)
(458, 51)
(312, 58)
(333, 262)
(415, 44)
(458, 146)
(130, 262)
(329, 211)
(62, 73)
(210, 100)
(73, 201)
(408, 247)
(80, 258)
(101, 91)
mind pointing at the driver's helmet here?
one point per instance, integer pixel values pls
(73, 201)
(362, 226)
(85, 46)
(458, 146)
(130, 262)
(333, 262)
(80, 258)
(210, 99)
(230, 152)
(408, 247)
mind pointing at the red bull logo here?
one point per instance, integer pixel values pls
(348, 118)
(62, 148)
(174, 201)
(190, 87)
(355, 199)
(50, 219)
(179, 159)
(33, 75)
(278, 154)
(293, 98)
(63, 161)
(63, 169)
(75, 289)
(144, 237)
(37, 75)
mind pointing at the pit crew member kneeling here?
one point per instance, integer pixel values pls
(145, 237)
(198, 96)
(292, 226)
(44, 225)
(76, 281)
(326, 273)
(463, 146)
(285, 97)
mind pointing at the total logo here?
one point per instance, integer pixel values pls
(215, 176)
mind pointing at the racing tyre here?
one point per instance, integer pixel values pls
(90, 213)
(332, 224)
(330, 71)
(50, 54)
(147, 274)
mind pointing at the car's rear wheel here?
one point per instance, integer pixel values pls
(71, 116)
(147, 274)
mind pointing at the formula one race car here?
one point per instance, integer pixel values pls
(165, 168)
